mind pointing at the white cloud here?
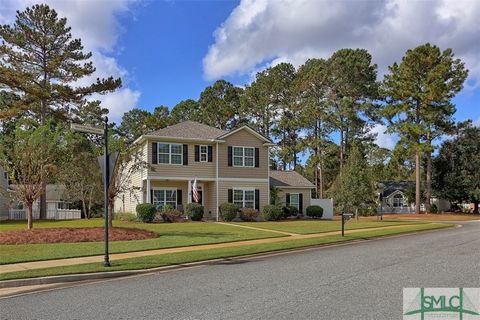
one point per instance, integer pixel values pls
(97, 24)
(293, 30)
(384, 139)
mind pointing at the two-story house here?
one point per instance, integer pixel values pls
(228, 166)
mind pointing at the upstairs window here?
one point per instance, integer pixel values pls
(243, 157)
(170, 153)
(203, 153)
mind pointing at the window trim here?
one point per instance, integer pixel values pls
(165, 189)
(204, 153)
(170, 153)
(243, 196)
(298, 198)
(243, 157)
(400, 196)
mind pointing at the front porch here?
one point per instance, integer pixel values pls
(178, 193)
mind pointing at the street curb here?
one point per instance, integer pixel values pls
(117, 274)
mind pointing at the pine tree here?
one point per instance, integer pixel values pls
(41, 63)
(418, 93)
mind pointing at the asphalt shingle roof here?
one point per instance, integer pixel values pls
(189, 129)
(390, 187)
(288, 179)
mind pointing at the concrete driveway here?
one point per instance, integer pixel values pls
(354, 281)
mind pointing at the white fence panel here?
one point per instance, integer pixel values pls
(52, 214)
(327, 205)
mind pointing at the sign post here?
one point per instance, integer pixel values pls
(105, 167)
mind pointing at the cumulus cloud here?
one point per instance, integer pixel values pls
(259, 32)
(97, 24)
(384, 139)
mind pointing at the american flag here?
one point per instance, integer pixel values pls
(196, 195)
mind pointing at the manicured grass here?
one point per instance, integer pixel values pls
(171, 235)
(185, 257)
(318, 226)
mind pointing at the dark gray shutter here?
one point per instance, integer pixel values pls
(179, 196)
(229, 156)
(300, 203)
(210, 153)
(257, 157)
(197, 153)
(154, 153)
(287, 198)
(257, 199)
(151, 195)
(185, 154)
(230, 195)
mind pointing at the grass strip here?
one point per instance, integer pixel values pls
(200, 255)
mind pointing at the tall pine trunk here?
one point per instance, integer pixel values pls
(428, 191)
(417, 179)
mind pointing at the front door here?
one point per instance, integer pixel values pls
(200, 194)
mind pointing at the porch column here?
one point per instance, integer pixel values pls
(189, 191)
(148, 191)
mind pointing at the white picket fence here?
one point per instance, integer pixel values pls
(52, 214)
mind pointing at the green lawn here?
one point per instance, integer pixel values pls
(318, 226)
(185, 257)
(171, 235)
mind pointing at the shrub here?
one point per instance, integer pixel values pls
(125, 216)
(170, 214)
(248, 214)
(433, 208)
(272, 212)
(194, 211)
(228, 211)
(314, 211)
(146, 212)
(289, 211)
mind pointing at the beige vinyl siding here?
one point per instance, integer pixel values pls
(193, 169)
(242, 138)
(263, 187)
(209, 200)
(307, 195)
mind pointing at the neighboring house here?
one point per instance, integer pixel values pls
(57, 208)
(3, 194)
(393, 200)
(229, 166)
(293, 189)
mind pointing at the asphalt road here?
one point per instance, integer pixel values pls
(355, 281)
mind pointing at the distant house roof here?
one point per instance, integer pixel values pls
(389, 187)
(189, 130)
(289, 179)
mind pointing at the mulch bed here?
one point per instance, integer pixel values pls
(58, 235)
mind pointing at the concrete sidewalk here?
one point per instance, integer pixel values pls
(119, 256)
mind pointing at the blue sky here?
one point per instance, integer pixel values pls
(167, 51)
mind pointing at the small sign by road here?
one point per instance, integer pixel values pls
(87, 129)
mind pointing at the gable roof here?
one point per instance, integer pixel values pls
(389, 187)
(255, 133)
(189, 130)
(289, 179)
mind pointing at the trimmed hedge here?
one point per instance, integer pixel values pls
(315, 211)
(170, 214)
(272, 212)
(289, 211)
(146, 212)
(228, 211)
(194, 211)
(248, 214)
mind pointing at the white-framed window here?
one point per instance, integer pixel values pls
(203, 153)
(162, 197)
(398, 200)
(295, 200)
(170, 153)
(244, 198)
(243, 157)
(63, 205)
